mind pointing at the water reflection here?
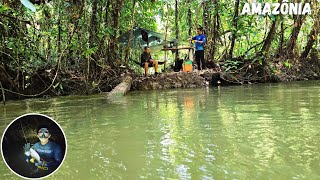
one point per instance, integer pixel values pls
(243, 132)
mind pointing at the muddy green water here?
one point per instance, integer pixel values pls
(268, 131)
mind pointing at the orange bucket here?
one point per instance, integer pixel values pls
(187, 66)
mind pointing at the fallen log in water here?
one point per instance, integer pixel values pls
(122, 88)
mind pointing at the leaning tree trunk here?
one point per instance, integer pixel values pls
(294, 35)
(235, 25)
(298, 21)
(312, 36)
(269, 38)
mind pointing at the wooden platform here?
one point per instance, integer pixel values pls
(173, 49)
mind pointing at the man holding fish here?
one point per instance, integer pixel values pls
(44, 154)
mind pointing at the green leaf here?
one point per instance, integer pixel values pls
(4, 8)
(28, 5)
(272, 17)
(56, 85)
(61, 87)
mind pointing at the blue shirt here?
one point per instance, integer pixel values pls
(51, 153)
(202, 38)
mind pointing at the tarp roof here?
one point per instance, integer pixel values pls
(141, 37)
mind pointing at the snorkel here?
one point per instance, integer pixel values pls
(43, 135)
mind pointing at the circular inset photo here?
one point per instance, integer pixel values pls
(33, 146)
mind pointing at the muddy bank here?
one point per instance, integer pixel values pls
(46, 83)
(49, 83)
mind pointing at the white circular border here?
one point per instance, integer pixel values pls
(28, 114)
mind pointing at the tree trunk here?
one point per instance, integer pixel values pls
(116, 8)
(59, 27)
(206, 27)
(177, 25)
(190, 52)
(205, 15)
(215, 28)
(269, 38)
(281, 39)
(165, 35)
(189, 19)
(312, 36)
(93, 24)
(106, 19)
(93, 39)
(212, 32)
(235, 26)
(294, 35)
(131, 32)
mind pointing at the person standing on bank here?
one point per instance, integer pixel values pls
(199, 41)
(147, 61)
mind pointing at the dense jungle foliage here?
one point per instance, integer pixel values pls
(70, 46)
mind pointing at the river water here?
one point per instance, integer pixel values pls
(267, 131)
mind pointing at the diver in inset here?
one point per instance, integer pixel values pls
(44, 154)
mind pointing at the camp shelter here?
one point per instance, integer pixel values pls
(142, 37)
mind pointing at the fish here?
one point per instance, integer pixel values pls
(35, 155)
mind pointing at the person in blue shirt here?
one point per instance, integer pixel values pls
(199, 41)
(50, 152)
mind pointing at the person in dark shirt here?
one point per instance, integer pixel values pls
(200, 40)
(178, 64)
(50, 152)
(147, 61)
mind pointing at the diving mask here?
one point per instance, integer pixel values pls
(43, 133)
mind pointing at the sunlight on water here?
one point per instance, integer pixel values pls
(243, 132)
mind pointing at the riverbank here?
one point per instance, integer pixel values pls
(49, 83)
